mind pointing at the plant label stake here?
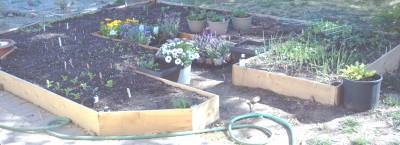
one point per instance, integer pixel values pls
(65, 65)
(126, 4)
(87, 65)
(129, 92)
(96, 99)
(59, 41)
(44, 28)
(100, 76)
(75, 38)
(70, 62)
(67, 26)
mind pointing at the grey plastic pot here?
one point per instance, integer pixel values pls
(196, 26)
(219, 28)
(241, 24)
(361, 95)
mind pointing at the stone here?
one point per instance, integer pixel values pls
(10, 15)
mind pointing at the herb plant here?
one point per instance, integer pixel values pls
(212, 46)
(240, 13)
(215, 17)
(197, 16)
(357, 72)
(169, 27)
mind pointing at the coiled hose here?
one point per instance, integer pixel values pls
(64, 121)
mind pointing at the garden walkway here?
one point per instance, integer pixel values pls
(15, 111)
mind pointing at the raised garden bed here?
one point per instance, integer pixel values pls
(120, 122)
(329, 94)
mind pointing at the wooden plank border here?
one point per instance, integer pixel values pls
(121, 122)
(388, 62)
(286, 85)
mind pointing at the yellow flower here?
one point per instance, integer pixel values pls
(102, 23)
(108, 19)
(135, 21)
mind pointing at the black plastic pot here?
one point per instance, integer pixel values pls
(171, 73)
(361, 95)
(238, 49)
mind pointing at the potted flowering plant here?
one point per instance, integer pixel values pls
(361, 88)
(241, 20)
(218, 23)
(196, 21)
(213, 50)
(181, 52)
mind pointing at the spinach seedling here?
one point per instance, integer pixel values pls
(109, 83)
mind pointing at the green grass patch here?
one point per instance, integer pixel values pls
(391, 101)
(360, 141)
(315, 141)
(350, 125)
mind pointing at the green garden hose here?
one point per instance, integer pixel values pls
(64, 121)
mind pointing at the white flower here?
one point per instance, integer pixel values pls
(178, 61)
(174, 55)
(179, 50)
(168, 59)
(196, 55)
(155, 30)
(141, 28)
(113, 32)
(191, 56)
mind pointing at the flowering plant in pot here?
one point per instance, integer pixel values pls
(241, 20)
(196, 21)
(218, 23)
(213, 50)
(181, 52)
(361, 87)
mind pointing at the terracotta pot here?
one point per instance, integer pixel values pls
(241, 24)
(196, 26)
(220, 28)
(5, 46)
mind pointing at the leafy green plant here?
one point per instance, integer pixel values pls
(240, 13)
(109, 83)
(359, 141)
(357, 72)
(169, 27)
(74, 81)
(77, 96)
(91, 75)
(82, 74)
(388, 19)
(84, 86)
(67, 91)
(350, 125)
(181, 102)
(215, 17)
(58, 86)
(49, 83)
(64, 77)
(317, 141)
(146, 61)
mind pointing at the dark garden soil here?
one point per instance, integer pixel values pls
(39, 58)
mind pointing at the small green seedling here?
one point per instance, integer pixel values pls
(350, 125)
(181, 102)
(58, 86)
(91, 75)
(110, 83)
(67, 91)
(84, 86)
(49, 83)
(64, 77)
(77, 96)
(74, 81)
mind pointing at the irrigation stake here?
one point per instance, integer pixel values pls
(129, 92)
(59, 41)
